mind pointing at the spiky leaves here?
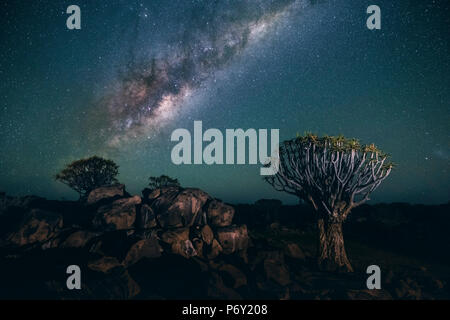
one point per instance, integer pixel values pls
(334, 174)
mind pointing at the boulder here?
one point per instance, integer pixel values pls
(214, 250)
(198, 246)
(151, 194)
(78, 239)
(177, 207)
(233, 238)
(219, 214)
(207, 234)
(38, 226)
(178, 239)
(145, 248)
(146, 218)
(175, 235)
(106, 192)
(119, 215)
(184, 248)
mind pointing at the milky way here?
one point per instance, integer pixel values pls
(150, 92)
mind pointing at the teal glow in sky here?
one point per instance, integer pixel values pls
(137, 70)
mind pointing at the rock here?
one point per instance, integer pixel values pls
(175, 235)
(214, 250)
(104, 264)
(367, 294)
(78, 239)
(239, 278)
(106, 192)
(293, 250)
(207, 234)
(146, 218)
(151, 194)
(219, 214)
(177, 207)
(145, 248)
(184, 248)
(275, 268)
(179, 241)
(38, 226)
(233, 238)
(119, 215)
(198, 246)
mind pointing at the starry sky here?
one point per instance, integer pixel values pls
(137, 70)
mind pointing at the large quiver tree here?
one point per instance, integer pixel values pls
(335, 175)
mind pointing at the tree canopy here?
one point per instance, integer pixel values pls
(85, 175)
(330, 171)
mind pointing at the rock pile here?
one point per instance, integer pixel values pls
(117, 230)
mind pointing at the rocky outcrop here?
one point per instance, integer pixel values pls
(219, 214)
(114, 234)
(179, 242)
(145, 248)
(119, 215)
(207, 235)
(103, 264)
(129, 247)
(177, 207)
(78, 239)
(106, 193)
(146, 218)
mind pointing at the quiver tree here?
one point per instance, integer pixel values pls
(335, 175)
(163, 181)
(85, 175)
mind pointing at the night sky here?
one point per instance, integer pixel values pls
(137, 70)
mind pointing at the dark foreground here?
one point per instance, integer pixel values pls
(183, 244)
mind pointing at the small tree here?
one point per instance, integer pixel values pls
(87, 174)
(163, 181)
(335, 175)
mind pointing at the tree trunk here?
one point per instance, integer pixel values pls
(332, 255)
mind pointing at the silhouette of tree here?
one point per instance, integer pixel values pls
(163, 181)
(85, 175)
(335, 175)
